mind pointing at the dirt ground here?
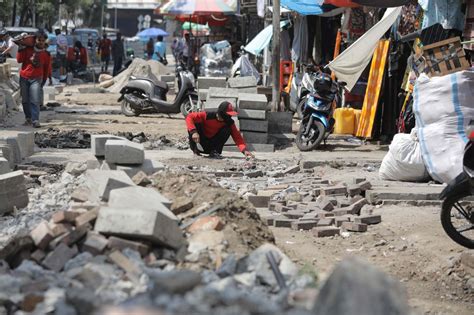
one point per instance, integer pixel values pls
(409, 244)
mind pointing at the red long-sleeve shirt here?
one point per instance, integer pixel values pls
(211, 126)
(28, 71)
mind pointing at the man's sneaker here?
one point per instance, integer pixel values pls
(36, 124)
(215, 155)
(27, 122)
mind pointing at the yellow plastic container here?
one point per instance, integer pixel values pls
(344, 121)
(357, 114)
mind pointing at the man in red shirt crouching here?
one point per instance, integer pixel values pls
(36, 62)
(212, 129)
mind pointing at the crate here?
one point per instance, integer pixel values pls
(444, 57)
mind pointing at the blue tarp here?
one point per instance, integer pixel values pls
(304, 7)
(259, 42)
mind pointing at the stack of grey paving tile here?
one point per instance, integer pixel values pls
(204, 84)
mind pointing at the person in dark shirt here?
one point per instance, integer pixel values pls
(118, 53)
(211, 130)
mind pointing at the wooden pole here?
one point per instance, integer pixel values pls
(276, 56)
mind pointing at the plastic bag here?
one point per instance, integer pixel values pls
(245, 67)
(404, 161)
(443, 107)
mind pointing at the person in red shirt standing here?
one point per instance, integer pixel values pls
(212, 130)
(36, 63)
(104, 48)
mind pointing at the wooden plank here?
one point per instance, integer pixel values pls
(374, 85)
(442, 43)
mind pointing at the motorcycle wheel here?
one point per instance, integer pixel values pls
(128, 111)
(187, 107)
(315, 137)
(300, 108)
(455, 213)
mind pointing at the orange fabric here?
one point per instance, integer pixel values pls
(372, 93)
(337, 50)
(83, 55)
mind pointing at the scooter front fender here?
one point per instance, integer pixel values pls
(460, 184)
(322, 118)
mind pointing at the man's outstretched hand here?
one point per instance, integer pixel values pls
(248, 154)
(195, 137)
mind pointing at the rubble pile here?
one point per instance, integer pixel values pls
(63, 139)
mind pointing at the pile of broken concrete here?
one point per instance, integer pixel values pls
(9, 90)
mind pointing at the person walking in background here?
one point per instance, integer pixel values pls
(118, 53)
(8, 48)
(104, 48)
(61, 51)
(160, 50)
(91, 49)
(150, 48)
(35, 69)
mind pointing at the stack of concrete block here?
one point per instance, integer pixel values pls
(205, 83)
(216, 96)
(118, 153)
(16, 146)
(9, 89)
(243, 84)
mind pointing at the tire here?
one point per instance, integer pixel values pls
(128, 111)
(316, 138)
(187, 107)
(446, 220)
(300, 107)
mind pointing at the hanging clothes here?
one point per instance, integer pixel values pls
(409, 19)
(382, 3)
(445, 12)
(285, 52)
(299, 49)
(469, 29)
(261, 8)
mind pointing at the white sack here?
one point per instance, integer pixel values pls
(443, 107)
(404, 161)
(349, 65)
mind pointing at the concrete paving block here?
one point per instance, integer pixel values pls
(95, 243)
(13, 193)
(124, 152)
(12, 143)
(242, 82)
(98, 143)
(325, 231)
(4, 165)
(259, 201)
(96, 181)
(148, 167)
(252, 114)
(304, 225)
(253, 147)
(216, 92)
(255, 137)
(140, 224)
(403, 193)
(42, 235)
(120, 244)
(334, 191)
(141, 198)
(249, 90)
(59, 257)
(280, 122)
(207, 82)
(354, 226)
(252, 101)
(253, 125)
(368, 219)
(283, 222)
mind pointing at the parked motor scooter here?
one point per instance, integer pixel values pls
(302, 86)
(457, 213)
(143, 95)
(318, 122)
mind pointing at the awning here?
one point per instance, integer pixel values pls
(349, 65)
(303, 7)
(259, 42)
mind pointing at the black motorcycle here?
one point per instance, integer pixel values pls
(457, 213)
(143, 95)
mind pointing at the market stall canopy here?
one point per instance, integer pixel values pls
(197, 7)
(195, 26)
(382, 3)
(349, 65)
(303, 7)
(259, 42)
(152, 32)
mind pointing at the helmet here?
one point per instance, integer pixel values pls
(323, 83)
